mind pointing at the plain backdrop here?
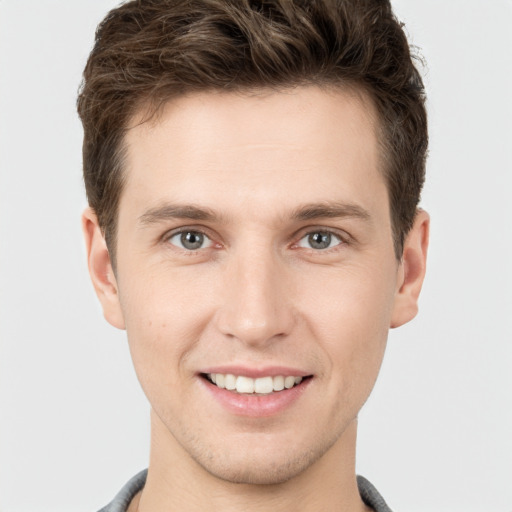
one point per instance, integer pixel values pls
(436, 435)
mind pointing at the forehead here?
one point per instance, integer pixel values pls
(262, 148)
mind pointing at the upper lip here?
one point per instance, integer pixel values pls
(256, 372)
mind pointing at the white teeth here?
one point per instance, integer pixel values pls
(278, 383)
(244, 384)
(230, 382)
(247, 385)
(220, 380)
(289, 382)
(264, 385)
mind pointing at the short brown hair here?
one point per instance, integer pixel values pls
(148, 51)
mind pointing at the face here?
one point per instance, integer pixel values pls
(256, 275)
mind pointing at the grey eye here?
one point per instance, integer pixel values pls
(320, 240)
(190, 240)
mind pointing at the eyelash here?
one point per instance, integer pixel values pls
(343, 240)
(183, 231)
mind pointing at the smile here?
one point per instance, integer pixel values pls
(247, 385)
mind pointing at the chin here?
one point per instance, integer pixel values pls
(262, 466)
(255, 473)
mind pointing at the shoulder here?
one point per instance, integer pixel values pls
(371, 496)
(123, 498)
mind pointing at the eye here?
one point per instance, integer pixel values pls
(190, 240)
(320, 240)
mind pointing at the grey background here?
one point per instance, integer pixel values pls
(74, 426)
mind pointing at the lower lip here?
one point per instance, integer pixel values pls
(256, 405)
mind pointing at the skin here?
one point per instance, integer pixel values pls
(256, 294)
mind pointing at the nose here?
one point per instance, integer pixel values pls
(257, 307)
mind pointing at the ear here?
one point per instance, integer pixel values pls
(412, 271)
(100, 269)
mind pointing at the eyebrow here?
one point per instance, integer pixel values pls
(304, 213)
(330, 211)
(169, 211)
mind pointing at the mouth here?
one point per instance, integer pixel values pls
(260, 386)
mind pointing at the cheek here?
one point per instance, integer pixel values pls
(350, 303)
(164, 318)
(157, 300)
(350, 318)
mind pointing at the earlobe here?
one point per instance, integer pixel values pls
(412, 271)
(100, 269)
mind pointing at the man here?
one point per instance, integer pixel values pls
(253, 170)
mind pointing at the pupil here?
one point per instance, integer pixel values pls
(192, 240)
(320, 240)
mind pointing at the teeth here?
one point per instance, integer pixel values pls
(220, 380)
(289, 382)
(244, 385)
(230, 382)
(261, 385)
(278, 383)
(264, 385)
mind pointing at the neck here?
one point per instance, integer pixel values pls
(177, 482)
